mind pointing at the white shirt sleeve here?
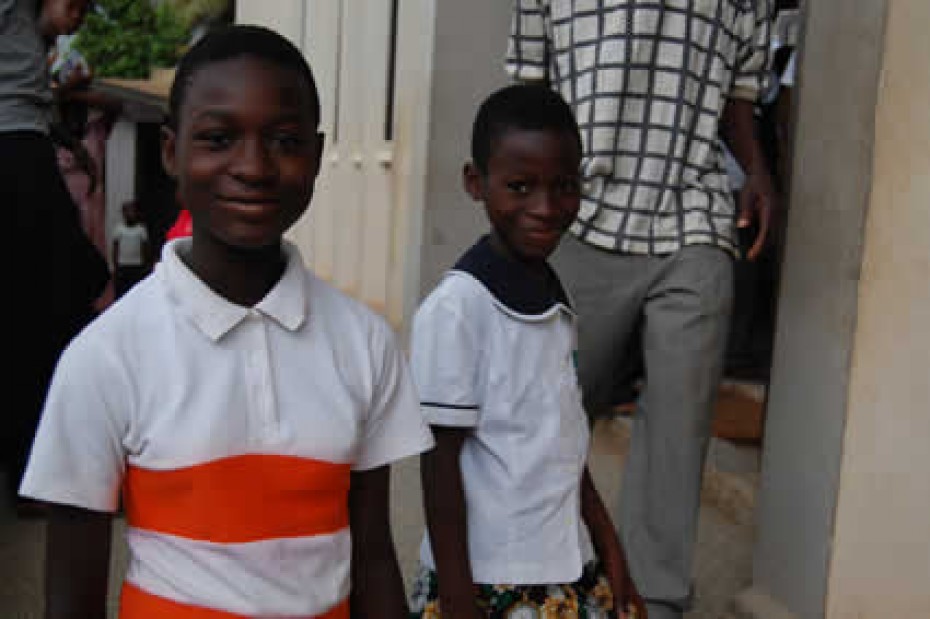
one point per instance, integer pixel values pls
(78, 457)
(751, 73)
(445, 358)
(393, 429)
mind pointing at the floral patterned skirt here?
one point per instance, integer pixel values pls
(588, 598)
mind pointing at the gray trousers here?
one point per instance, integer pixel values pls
(680, 304)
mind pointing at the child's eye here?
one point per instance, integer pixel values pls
(287, 140)
(214, 139)
(520, 187)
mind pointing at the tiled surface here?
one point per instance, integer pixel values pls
(723, 560)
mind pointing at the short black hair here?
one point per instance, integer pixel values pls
(525, 107)
(229, 42)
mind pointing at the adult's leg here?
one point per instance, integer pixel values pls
(607, 290)
(684, 337)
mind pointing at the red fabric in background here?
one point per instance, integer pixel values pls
(182, 226)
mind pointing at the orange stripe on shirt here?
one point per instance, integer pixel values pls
(136, 603)
(240, 499)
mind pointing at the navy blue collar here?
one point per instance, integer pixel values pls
(511, 282)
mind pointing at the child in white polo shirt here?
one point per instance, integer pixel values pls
(510, 504)
(244, 411)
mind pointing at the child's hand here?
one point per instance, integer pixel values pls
(627, 602)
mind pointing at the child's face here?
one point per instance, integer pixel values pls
(130, 213)
(531, 191)
(62, 16)
(245, 152)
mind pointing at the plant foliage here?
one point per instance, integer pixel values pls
(126, 38)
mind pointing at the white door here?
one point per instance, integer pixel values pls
(362, 232)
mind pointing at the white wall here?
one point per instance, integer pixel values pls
(468, 64)
(806, 414)
(844, 504)
(881, 558)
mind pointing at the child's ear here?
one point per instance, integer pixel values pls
(168, 153)
(473, 181)
(319, 139)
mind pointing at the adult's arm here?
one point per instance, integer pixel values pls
(77, 561)
(757, 197)
(446, 524)
(753, 28)
(377, 586)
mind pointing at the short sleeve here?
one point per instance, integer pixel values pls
(527, 56)
(752, 71)
(445, 358)
(77, 456)
(393, 428)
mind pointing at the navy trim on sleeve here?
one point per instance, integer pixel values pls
(460, 407)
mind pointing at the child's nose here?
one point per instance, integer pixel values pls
(253, 162)
(547, 204)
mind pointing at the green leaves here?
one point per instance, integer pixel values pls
(125, 38)
(170, 37)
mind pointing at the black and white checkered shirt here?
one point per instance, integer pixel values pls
(648, 80)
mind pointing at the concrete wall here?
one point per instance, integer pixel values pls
(845, 495)
(881, 558)
(817, 305)
(468, 59)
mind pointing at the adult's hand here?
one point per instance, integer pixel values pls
(757, 205)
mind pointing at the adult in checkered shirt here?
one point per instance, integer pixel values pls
(654, 84)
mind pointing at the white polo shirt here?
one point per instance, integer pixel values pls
(132, 240)
(232, 432)
(494, 352)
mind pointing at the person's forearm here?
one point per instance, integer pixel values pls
(603, 534)
(605, 540)
(77, 563)
(738, 128)
(95, 98)
(377, 586)
(444, 498)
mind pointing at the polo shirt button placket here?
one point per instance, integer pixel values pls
(259, 379)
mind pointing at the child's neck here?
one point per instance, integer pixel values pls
(537, 267)
(241, 277)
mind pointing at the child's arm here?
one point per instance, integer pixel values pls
(77, 561)
(609, 551)
(444, 498)
(377, 586)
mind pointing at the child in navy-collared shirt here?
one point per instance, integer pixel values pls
(511, 508)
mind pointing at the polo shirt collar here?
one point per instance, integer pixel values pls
(512, 283)
(286, 303)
